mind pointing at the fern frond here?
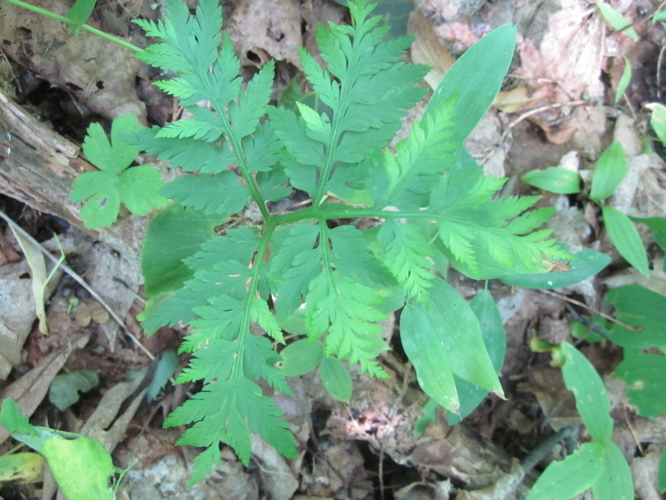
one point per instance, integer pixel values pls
(405, 179)
(489, 238)
(347, 312)
(222, 194)
(373, 93)
(405, 250)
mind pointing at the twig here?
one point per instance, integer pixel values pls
(80, 281)
(534, 111)
(592, 310)
(538, 453)
(659, 60)
(642, 19)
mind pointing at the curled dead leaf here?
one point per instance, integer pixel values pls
(427, 49)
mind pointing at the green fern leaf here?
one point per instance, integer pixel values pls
(222, 194)
(405, 250)
(190, 154)
(348, 313)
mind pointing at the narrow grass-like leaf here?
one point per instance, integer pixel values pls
(658, 227)
(626, 239)
(625, 80)
(79, 13)
(584, 265)
(554, 179)
(658, 120)
(609, 171)
(592, 401)
(616, 20)
(576, 473)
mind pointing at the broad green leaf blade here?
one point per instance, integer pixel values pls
(644, 375)
(19, 426)
(139, 189)
(433, 371)
(554, 179)
(626, 239)
(609, 171)
(625, 80)
(615, 483)
(173, 235)
(113, 157)
(592, 401)
(475, 79)
(65, 388)
(573, 475)
(102, 190)
(81, 466)
(301, 357)
(616, 20)
(641, 308)
(166, 367)
(79, 13)
(492, 330)
(336, 379)
(585, 264)
(658, 120)
(443, 338)
(659, 16)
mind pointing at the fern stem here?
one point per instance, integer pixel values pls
(247, 306)
(71, 22)
(237, 149)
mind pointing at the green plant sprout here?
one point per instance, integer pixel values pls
(80, 465)
(306, 272)
(136, 187)
(610, 170)
(436, 204)
(599, 463)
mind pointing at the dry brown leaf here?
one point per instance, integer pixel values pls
(106, 413)
(100, 74)
(266, 29)
(554, 136)
(30, 389)
(511, 100)
(427, 49)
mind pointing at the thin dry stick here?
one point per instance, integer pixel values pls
(591, 309)
(659, 60)
(534, 111)
(642, 19)
(80, 281)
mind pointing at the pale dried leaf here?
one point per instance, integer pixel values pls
(35, 258)
(427, 49)
(31, 388)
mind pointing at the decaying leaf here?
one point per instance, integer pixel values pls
(266, 29)
(37, 265)
(427, 49)
(97, 72)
